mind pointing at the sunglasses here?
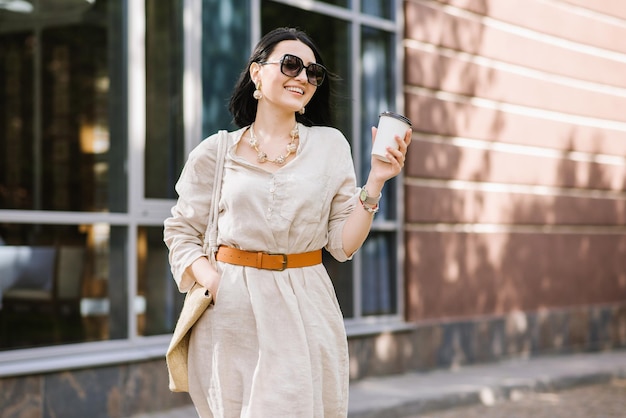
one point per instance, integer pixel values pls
(291, 66)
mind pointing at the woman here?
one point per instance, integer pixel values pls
(273, 343)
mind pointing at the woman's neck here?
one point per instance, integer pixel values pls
(274, 127)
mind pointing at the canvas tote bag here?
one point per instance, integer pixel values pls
(197, 299)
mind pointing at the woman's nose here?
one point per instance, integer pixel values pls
(302, 75)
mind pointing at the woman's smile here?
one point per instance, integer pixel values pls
(293, 89)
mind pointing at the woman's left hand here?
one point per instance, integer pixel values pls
(383, 171)
(358, 225)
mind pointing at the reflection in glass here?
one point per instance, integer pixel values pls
(164, 102)
(225, 51)
(55, 281)
(379, 265)
(378, 95)
(75, 138)
(58, 83)
(16, 120)
(340, 274)
(159, 301)
(379, 8)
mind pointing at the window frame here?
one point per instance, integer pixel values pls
(139, 212)
(148, 212)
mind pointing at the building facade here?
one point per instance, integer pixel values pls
(504, 237)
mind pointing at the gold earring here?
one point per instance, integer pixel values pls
(301, 111)
(257, 92)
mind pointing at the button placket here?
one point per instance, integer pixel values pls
(272, 199)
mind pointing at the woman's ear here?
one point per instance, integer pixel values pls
(255, 68)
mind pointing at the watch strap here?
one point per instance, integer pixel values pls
(367, 199)
(372, 209)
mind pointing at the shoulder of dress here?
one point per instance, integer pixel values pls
(208, 146)
(331, 146)
(324, 131)
(333, 136)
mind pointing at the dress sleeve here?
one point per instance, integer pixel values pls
(184, 231)
(343, 202)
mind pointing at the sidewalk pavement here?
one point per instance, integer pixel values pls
(415, 392)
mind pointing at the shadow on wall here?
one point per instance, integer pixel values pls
(438, 100)
(546, 256)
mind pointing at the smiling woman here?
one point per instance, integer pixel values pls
(288, 190)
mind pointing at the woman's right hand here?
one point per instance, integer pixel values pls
(206, 275)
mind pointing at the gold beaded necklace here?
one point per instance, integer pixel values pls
(261, 157)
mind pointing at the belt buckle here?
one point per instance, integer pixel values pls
(284, 262)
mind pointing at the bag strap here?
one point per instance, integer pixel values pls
(211, 234)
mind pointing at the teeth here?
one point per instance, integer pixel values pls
(296, 90)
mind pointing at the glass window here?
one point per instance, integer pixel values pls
(158, 299)
(379, 269)
(341, 274)
(379, 8)
(377, 95)
(57, 88)
(17, 115)
(63, 148)
(55, 283)
(164, 155)
(225, 51)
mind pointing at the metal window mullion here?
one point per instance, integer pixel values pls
(399, 83)
(38, 120)
(357, 141)
(192, 73)
(255, 22)
(136, 29)
(45, 217)
(352, 14)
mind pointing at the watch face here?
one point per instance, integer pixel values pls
(363, 195)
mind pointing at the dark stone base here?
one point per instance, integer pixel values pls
(448, 344)
(104, 392)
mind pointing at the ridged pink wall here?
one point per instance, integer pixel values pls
(515, 183)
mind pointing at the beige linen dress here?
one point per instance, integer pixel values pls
(274, 343)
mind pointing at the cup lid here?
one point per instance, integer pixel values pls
(396, 116)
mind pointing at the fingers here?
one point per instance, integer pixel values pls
(399, 155)
(395, 157)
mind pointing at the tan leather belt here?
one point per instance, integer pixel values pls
(268, 261)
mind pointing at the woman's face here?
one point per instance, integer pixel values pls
(288, 93)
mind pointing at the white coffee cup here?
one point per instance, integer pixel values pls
(390, 125)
